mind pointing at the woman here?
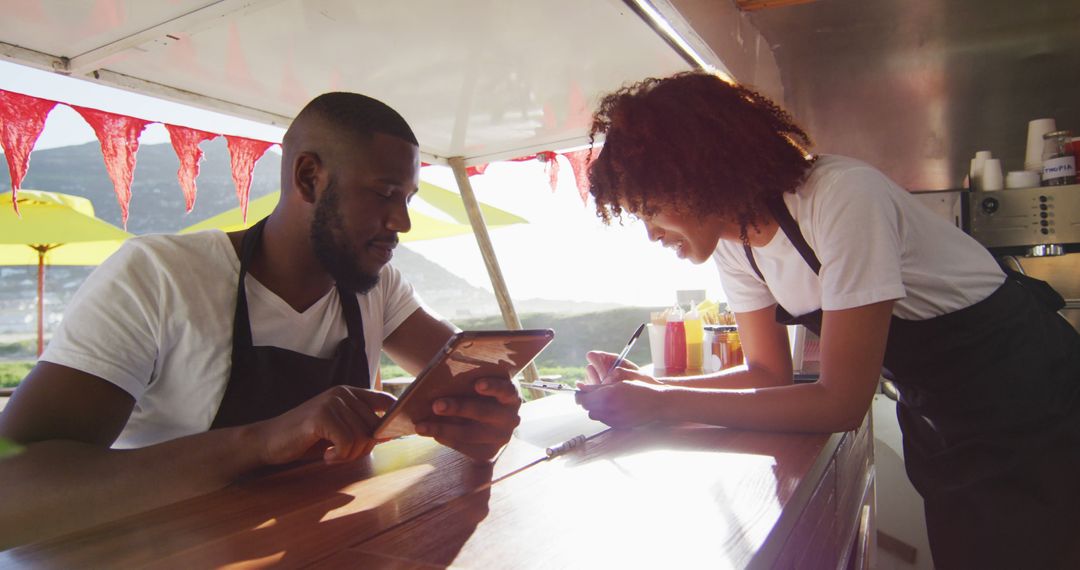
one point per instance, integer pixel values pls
(988, 372)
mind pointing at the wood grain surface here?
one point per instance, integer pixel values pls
(655, 497)
(669, 496)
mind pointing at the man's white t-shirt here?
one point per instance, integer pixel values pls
(875, 243)
(156, 320)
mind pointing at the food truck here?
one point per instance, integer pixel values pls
(928, 91)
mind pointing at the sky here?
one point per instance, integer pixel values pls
(564, 252)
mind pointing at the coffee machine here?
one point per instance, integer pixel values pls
(1033, 230)
(1033, 222)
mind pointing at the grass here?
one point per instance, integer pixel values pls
(392, 370)
(8, 448)
(567, 374)
(11, 373)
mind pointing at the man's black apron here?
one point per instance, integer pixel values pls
(990, 412)
(267, 381)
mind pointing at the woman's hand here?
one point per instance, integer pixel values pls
(626, 403)
(600, 363)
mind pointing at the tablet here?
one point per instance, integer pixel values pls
(464, 359)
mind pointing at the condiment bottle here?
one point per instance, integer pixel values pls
(720, 348)
(707, 354)
(694, 338)
(1059, 163)
(735, 344)
(675, 343)
(723, 349)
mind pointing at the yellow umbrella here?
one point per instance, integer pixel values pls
(58, 229)
(424, 226)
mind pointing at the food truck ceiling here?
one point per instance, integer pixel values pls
(483, 80)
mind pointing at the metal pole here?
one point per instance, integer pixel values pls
(476, 218)
(40, 301)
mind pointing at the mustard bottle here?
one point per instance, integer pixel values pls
(695, 337)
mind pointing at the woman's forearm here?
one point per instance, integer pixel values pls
(737, 377)
(796, 408)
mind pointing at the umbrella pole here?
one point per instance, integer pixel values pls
(476, 218)
(40, 300)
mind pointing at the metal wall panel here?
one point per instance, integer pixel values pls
(915, 87)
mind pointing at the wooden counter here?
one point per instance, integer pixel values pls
(686, 496)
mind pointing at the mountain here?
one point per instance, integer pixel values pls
(157, 206)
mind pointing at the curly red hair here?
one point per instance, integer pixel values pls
(696, 143)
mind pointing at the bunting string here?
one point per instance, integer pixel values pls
(22, 119)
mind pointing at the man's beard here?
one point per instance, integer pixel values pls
(337, 256)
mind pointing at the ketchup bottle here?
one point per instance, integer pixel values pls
(675, 343)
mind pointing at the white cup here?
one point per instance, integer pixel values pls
(707, 360)
(656, 344)
(1036, 129)
(991, 175)
(1022, 179)
(976, 171)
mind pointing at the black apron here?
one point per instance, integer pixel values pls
(267, 381)
(990, 411)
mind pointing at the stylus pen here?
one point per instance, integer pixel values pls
(549, 386)
(626, 350)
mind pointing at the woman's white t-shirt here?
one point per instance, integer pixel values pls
(156, 320)
(875, 242)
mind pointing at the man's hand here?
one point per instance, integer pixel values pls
(622, 404)
(344, 416)
(477, 426)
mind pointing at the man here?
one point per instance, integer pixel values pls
(186, 361)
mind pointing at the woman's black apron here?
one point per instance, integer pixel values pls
(267, 381)
(990, 411)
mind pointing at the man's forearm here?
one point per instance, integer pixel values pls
(54, 487)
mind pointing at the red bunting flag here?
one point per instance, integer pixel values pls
(243, 153)
(119, 138)
(579, 162)
(475, 170)
(22, 119)
(185, 141)
(551, 166)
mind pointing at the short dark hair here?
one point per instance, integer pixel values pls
(360, 115)
(695, 142)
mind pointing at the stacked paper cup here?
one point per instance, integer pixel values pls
(991, 175)
(1036, 129)
(978, 164)
(1022, 179)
